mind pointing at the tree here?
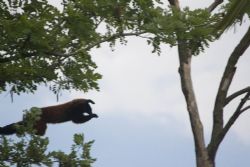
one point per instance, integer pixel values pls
(205, 155)
(60, 41)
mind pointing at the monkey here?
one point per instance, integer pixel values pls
(78, 111)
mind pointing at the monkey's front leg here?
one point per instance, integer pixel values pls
(83, 118)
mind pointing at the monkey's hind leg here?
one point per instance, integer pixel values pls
(40, 128)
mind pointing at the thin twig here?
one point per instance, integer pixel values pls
(236, 94)
(214, 145)
(90, 46)
(98, 23)
(236, 114)
(244, 109)
(109, 38)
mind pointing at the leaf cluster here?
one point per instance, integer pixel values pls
(189, 27)
(233, 13)
(28, 149)
(35, 39)
(197, 29)
(29, 119)
(79, 155)
(41, 45)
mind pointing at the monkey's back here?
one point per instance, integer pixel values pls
(56, 114)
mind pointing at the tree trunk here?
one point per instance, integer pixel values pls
(185, 57)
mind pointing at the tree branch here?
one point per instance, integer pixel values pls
(214, 5)
(236, 94)
(223, 89)
(106, 39)
(90, 46)
(59, 54)
(213, 147)
(236, 114)
(244, 109)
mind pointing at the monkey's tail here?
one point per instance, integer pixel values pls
(8, 129)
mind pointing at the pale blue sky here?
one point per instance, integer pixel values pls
(143, 120)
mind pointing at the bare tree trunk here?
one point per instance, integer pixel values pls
(185, 57)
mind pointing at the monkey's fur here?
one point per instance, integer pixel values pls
(74, 111)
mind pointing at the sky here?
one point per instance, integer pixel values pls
(143, 120)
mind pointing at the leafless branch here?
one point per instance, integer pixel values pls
(214, 5)
(236, 94)
(213, 146)
(244, 109)
(109, 38)
(226, 82)
(235, 115)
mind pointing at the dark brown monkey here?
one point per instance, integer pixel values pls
(77, 111)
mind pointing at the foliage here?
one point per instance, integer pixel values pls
(32, 150)
(35, 39)
(40, 44)
(29, 118)
(28, 149)
(79, 155)
(235, 10)
(195, 27)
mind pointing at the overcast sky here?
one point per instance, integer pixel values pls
(143, 120)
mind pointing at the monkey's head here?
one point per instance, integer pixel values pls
(83, 106)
